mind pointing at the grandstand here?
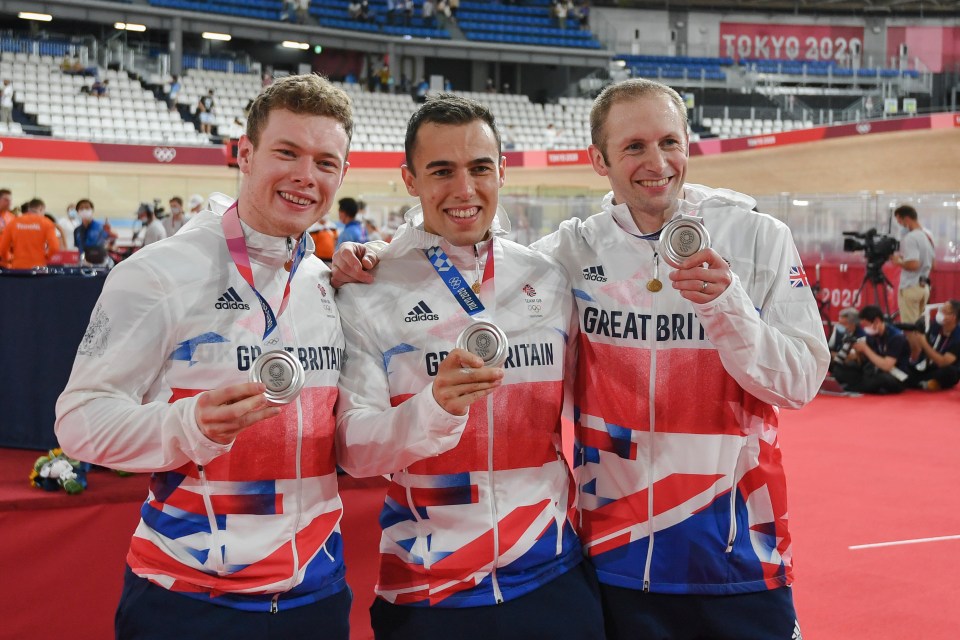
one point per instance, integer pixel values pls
(484, 40)
(547, 71)
(65, 105)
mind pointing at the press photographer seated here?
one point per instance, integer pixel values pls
(882, 359)
(846, 331)
(939, 366)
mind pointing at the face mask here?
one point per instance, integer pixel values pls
(175, 211)
(940, 316)
(72, 214)
(86, 214)
(870, 331)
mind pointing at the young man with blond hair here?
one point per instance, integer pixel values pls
(239, 536)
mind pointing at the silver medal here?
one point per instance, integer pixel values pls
(681, 238)
(486, 340)
(282, 374)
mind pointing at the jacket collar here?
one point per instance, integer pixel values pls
(411, 235)
(264, 249)
(696, 199)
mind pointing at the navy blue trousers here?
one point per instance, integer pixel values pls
(566, 608)
(631, 614)
(150, 612)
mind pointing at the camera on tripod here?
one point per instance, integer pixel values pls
(877, 247)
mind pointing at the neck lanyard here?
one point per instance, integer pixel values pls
(943, 341)
(649, 237)
(653, 284)
(459, 289)
(237, 246)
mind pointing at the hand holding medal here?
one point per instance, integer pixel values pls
(282, 374)
(700, 273)
(463, 378)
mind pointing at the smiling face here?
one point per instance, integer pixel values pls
(645, 157)
(292, 175)
(457, 173)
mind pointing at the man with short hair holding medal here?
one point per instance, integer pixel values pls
(211, 360)
(701, 327)
(455, 385)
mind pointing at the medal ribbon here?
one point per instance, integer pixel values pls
(459, 289)
(237, 246)
(655, 236)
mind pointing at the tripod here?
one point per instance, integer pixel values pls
(875, 278)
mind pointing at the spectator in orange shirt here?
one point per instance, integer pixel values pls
(6, 216)
(31, 238)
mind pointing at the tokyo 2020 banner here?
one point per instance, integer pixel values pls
(803, 43)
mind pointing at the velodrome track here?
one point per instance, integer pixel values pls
(902, 162)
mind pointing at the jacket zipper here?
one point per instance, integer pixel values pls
(296, 524)
(216, 550)
(498, 596)
(651, 391)
(561, 517)
(732, 535)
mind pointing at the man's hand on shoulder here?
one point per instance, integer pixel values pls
(224, 412)
(351, 263)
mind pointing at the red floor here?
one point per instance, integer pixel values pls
(859, 471)
(869, 470)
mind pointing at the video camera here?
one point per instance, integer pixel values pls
(877, 247)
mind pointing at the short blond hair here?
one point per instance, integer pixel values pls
(632, 89)
(309, 94)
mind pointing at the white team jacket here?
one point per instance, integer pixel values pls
(247, 523)
(679, 470)
(478, 507)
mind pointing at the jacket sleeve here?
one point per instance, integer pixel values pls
(373, 437)
(101, 415)
(775, 348)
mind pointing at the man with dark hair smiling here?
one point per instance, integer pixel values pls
(239, 536)
(476, 542)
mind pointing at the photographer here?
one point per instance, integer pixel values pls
(152, 228)
(845, 332)
(883, 357)
(940, 367)
(915, 260)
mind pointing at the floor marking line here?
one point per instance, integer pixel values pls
(899, 542)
